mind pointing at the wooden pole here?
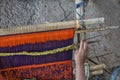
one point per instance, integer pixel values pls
(96, 29)
(49, 26)
(97, 67)
(81, 16)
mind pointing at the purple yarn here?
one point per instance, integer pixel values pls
(37, 47)
(16, 61)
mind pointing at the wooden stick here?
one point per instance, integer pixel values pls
(97, 72)
(98, 67)
(108, 71)
(96, 29)
(48, 26)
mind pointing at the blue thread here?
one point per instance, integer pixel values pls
(115, 73)
(72, 11)
(77, 5)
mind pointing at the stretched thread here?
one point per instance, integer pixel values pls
(32, 38)
(39, 53)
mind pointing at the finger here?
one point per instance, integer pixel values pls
(81, 45)
(85, 46)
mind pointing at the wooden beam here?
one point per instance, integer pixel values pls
(49, 26)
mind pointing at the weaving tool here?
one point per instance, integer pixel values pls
(50, 26)
(96, 29)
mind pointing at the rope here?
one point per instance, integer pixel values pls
(70, 47)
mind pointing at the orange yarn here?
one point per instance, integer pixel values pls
(56, 71)
(31, 38)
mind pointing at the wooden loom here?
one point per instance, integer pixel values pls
(42, 51)
(37, 50)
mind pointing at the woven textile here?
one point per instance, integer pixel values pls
(56, 66)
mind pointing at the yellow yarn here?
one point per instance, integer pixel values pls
(40, 53)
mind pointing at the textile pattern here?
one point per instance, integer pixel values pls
(56, 66)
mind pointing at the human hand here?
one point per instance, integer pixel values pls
(80, 53)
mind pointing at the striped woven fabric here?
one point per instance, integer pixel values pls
(55, 66)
